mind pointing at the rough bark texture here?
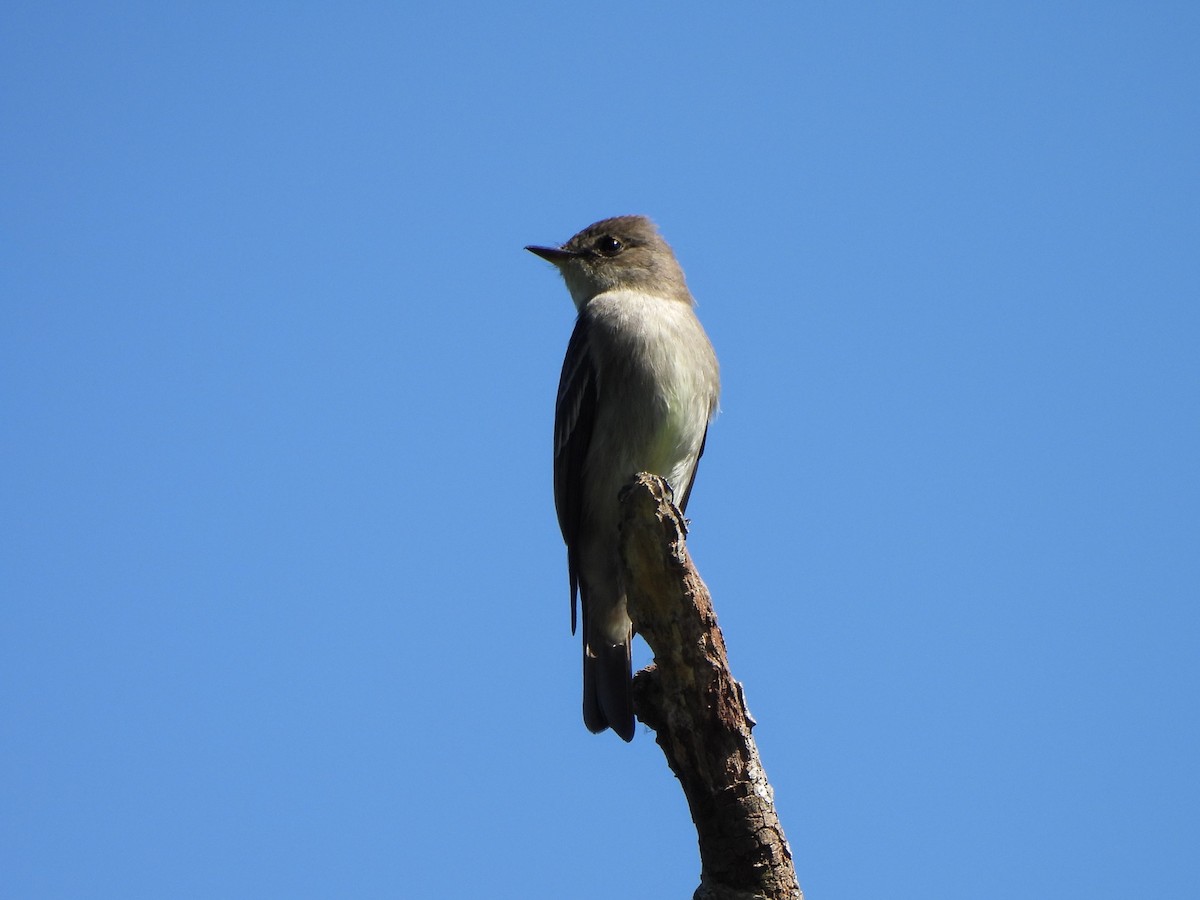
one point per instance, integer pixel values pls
(697, 710)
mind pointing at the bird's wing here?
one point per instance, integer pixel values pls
(574, 416)
(687, 492)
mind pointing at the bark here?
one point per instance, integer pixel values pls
(696, 708)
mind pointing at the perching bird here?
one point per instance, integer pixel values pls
(639, 386)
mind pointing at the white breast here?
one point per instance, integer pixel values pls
(658, 384)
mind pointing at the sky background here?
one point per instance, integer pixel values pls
(284, 603)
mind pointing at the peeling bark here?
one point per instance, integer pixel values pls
(696, 708)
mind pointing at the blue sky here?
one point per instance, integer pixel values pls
(285, 605)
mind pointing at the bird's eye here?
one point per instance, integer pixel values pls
(609, 245)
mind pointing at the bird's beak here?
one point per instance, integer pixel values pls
(556, 255)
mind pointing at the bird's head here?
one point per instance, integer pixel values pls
(625, 252)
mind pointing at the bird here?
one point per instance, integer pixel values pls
(640, 384)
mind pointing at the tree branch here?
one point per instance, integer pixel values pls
(696, 709)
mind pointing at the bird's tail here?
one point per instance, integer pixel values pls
(607, 687)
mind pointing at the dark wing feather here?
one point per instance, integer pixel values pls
(574, 416)
(687, 492)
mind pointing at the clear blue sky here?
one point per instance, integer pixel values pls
(284, 601)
